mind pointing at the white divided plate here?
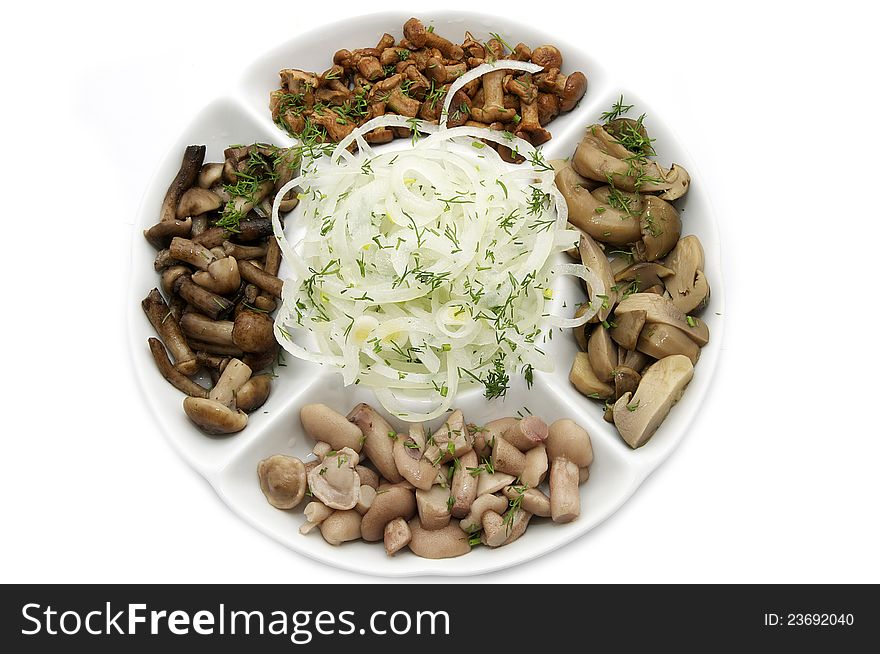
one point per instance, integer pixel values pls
(230, 463)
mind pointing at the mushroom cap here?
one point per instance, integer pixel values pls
(335, 481)
(213, 417)
(254, 393)
(341, 526)
(594, 258)
(282, 480)
(473, 520)
(443, 543)
(196, 201)
(253, 331)
(626, 380)
(414, 32)
(221, 277)
(575, 87)
(391, 502)
(536, 466)
(659, 341)
(679, 182)
(414, 467)
(547, 56)
(570, 441)
(491, 482)
(590, 211)
(507, 458)
(638, 416)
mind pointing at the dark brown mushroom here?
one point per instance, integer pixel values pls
(171, 374)
(193, 158)
(214, 417)
(661, 229)
(211, 304)
(169, 330)
(265, 281)
(251, 331)
(627, 327)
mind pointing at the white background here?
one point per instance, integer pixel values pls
(777, 480)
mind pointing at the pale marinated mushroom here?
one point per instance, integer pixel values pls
(412, 465)
(661, 310)
(524, 434)
(532, 500)
(474, 519)
(464, 485)
(214, 417)
(485, 437)
(638, 416)
(687, 285)
(322, 423)
(397, 535)
(282, 480)
(507, 459)
(315, 514)
(453, 438)
(378, 441)
(365, 499)
(444, 543)
(568, 449)
(390, 503)
(585, 380)
(341, 526)
(335, 481)
(433, 507)
(492, 482)
(536, 466)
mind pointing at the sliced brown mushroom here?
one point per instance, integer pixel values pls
(626, 329)
(687, 285)
(214, 417)
(282, 480)
(660, 309)
(585, 380)
(659, 341)
(638, 416)
(591, 213)
(661, 229)
(335, 481)
(601, 157)
(378, 442)
(602, 353)
(593, 257)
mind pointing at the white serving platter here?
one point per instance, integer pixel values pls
(229, 463)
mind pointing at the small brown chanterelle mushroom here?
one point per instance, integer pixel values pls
(568, 449)
(335, 481)
(282, 480)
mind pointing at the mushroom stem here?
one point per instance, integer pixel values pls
(206, 330)
(170, 373)
(190, 252)
(162, 232)
(202, 299)
(233, 378)
(193, 158)
(169, 331)
(241, 252)
(565, 499)
(260, 278)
